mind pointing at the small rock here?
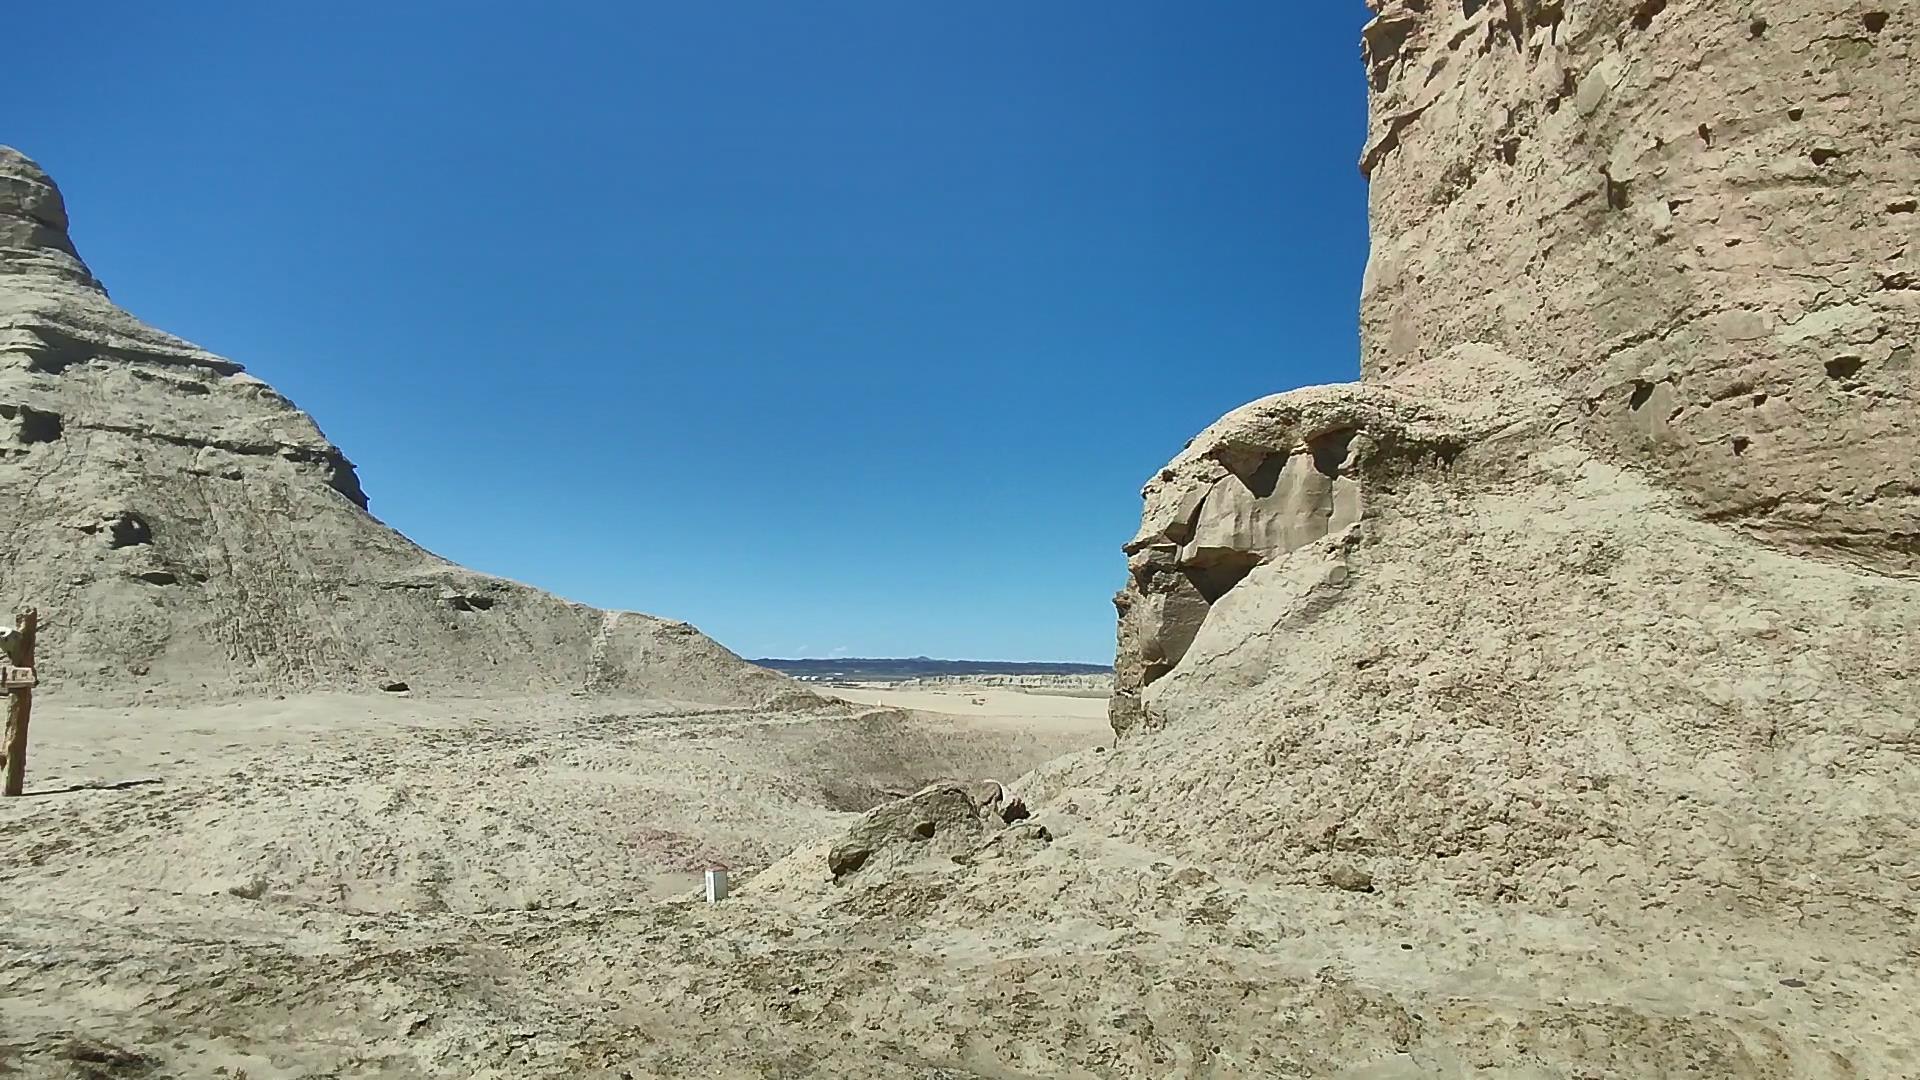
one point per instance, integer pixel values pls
(842, 861)
(1350, 879)
(252, 889)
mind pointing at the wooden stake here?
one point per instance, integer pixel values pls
(20, 704)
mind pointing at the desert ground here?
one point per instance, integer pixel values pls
(1081, 703)
(1539, 707)
(348, 886)
(169, 851)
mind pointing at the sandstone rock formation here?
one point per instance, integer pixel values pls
(1481, 719)
(1695, 220)
(1595, 598)
(185, 529)
(1690, 226)
(941, 820)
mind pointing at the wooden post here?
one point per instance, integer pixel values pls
(20, 702)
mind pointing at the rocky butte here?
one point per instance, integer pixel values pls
(1687, 229)
(193, 533)
(1595, 598)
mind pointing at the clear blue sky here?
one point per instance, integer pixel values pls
(850, 326)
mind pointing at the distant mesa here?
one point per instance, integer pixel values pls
(921, 667)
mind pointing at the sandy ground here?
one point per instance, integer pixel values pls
(1076, 712)
(153, 837)
(338, 887)
(393, 802)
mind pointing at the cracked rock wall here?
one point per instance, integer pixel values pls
(1697, 220)
(186, 531)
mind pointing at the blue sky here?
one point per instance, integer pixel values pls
(843, 327)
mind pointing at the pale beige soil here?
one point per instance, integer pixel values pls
(352, 887)
(1074, 710)
(173, 871)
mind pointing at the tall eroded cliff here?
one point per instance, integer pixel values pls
(1695, 220)
(1595, 598)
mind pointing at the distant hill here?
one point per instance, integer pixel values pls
(920, 667)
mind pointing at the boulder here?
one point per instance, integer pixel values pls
(940, 823)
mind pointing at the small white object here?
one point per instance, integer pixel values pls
(716, 884)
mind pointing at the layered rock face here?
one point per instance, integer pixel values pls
(1595, 599)
(1695, 220)
(185, 529)
(1690, 227)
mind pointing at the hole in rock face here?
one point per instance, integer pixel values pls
(1796, 113)
(1470, 8)
(1757, 28)
(128, 530)
(1642, 393)
(1330, 451)
(924, 830)
(1740, 444)
(1569, 85)
(1646, 11)
(1823, 155)
(1218, 578)
(37, 426)
(53, 361)
(1844, 367)
(1265, 476)
(1876, 21)
(1619, 194)
(1706, 134)
(1759, 400)
(40, 428)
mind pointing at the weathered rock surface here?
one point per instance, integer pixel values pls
(1267, 479)
(940, 820)
(1595, 598)
(1697, 221)
(185, 529)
